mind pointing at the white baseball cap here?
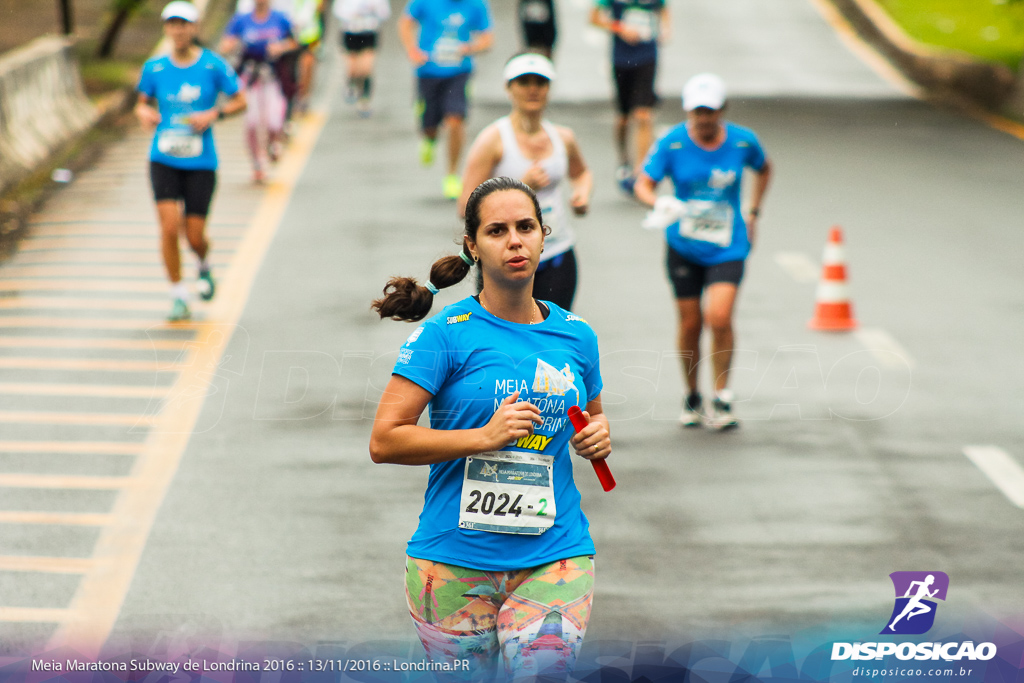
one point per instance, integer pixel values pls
(180, 9)
(704, 90)
(529, 64)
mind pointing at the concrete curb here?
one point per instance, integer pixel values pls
(43, 106)
(944, 74)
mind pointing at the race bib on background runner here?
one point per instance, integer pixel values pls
(644, 22)
(181, 144)
(707, 222)
(535, 12)
(508, 492)
(448, 52)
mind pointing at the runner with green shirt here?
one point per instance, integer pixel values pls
(637, 26)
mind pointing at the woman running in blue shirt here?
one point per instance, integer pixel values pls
(705, 157)
(178, 101)
(502, 560)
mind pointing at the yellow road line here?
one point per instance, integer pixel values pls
(52, 565)
(70, 285)
(111, 231)
(93, 323)
(62, 481)
(125, 242)
(101, 593)
(84, 419)
(55, 518)
(82, 447)
(218, 258)
(82, 303)
(93, 343)
(86, 364)
(34, 615)
(65, 271)
(95, 390)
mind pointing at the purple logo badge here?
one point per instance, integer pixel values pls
(916, 593)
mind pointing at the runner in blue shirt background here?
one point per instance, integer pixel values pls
(705, 158)
(178, 96)
(502, 560)
(440, 37)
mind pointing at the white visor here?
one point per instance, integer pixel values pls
(529, 64)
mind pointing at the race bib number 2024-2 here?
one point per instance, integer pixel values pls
(508, 492)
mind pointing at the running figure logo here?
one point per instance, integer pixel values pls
(554, 382)
(914, 612)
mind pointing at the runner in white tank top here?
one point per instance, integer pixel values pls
(546, 157)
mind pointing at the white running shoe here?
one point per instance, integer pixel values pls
(720, 416)
(691, 417)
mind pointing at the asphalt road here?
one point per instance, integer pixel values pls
(849, 464)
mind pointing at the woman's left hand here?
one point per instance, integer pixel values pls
(751, 230)
(580, 202)
(594, 441)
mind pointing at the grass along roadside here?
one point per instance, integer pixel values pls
(992, 30)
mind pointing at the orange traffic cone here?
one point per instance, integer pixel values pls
(833, 311)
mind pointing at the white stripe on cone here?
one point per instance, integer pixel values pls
(832, 293)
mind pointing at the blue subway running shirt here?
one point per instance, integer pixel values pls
(446, 26)
(179, 93)
(256, 35)
(713, 231)
(470, 361)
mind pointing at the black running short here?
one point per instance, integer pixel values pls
(689, 279)
(441, 97)
(193, 187)
(634, 86)
(555, 280)
(357, 42)
(537, 18)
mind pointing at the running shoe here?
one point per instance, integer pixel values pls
(690, 417)
(427, 151)
(205, 285)
(179, 311)
(364, 108)
(625, 178)
(721, 417)
(452, 188)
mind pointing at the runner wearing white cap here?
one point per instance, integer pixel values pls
(178, 96)
(546, 157)
(708, 238)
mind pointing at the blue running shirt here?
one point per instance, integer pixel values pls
(470, 361)
(709, 182)
(445, 27)
(256, 35)
(179, 93)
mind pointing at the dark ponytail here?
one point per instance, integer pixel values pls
(406, 300)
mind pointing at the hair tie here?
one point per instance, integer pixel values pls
(431, 288)
(466, 257)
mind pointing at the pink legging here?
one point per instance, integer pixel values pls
(266, 112)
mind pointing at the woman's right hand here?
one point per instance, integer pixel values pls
(536, 177)
(148, 116)
(513, 420)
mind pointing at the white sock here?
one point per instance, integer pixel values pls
(204, 265)
(179, 291)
